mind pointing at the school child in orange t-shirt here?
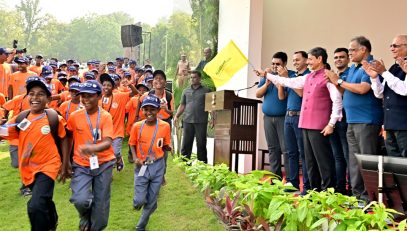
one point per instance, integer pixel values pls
(17, 104)
(17, 79)
(149, 139)
(67, 107)
(115, 104)
(92, 131)
(131, 108)
(39, 158)
(54, 84)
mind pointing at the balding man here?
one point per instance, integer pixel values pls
(393, 91)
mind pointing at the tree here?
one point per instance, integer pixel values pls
(206, 17)
(31, 13)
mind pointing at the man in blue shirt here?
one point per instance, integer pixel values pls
(364, 112)
(338, 139)
(292, 133)
(274, 109)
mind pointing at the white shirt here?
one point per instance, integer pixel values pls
(298, 83)
(394, 83)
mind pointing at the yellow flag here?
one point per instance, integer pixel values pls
(225, 64)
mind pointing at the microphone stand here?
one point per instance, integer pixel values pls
(246, 88)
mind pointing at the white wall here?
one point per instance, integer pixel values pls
(240, 21)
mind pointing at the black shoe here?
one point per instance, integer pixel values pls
(119, 164)
(25, 191)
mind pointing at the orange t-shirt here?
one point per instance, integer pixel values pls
(131, 108)
(65, 96)
(63, 108)
(36, 69)
(36, 151)
(17, 104)
(17, 81)
(163, 137)
(5, 74)
(78, 125)
(56, 87)
(162, 114)
(116, 106)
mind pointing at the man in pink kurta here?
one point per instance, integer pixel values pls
(321, 109)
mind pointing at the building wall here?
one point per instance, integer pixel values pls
(291, 25)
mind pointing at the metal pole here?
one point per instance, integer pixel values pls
(149, 45)
(380, 186)
(166, 52)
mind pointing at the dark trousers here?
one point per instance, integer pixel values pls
(340, 150)
(41, 209)
(362, 139)
(295, 149)
(274, 131)
(319, 159)
(191, 131)
(396, 143)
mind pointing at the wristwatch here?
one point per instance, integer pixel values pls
(340, 81)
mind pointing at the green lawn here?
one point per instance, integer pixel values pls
(180, 206)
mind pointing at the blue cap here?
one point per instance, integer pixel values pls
(133, 62)
(22, 60)
(108, 77)
(33, 81)
(149, 78)
(76, 64)
(148, 69)
(62, 73)
(90, 62)
(53, 64)
(94, 70)
(75, 86)
(47, 72)
(151, 100)
(108, 62)
(142, 85)
(70, 61)
(62, 77)
(71, 68)
(89, 75)
(126, 73)
(160, 72)
(91, 87)
(62, 64)
(111, 68)
(120, 58)
(4, 51)
(97, 61)
(74, 78)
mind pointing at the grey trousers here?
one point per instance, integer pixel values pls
(146, 189)
(362, 139)
(274, 131)
(91, 194)
(13, 149)
(190, 131)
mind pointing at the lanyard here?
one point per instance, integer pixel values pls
(94, 133)
(69, 108)
(111, 102)
(150, 149)
(15, 124)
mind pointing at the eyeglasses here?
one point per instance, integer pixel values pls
(397, 45)
(351, 50)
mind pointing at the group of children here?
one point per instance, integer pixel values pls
(76, 131)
